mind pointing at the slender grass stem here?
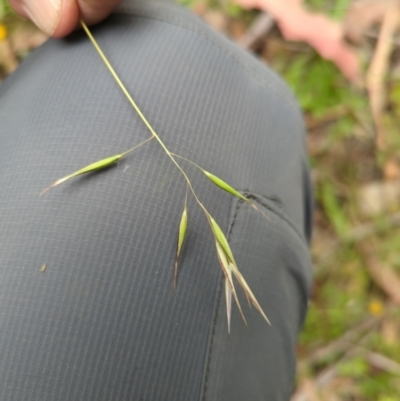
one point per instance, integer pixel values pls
(187, 160)
(137, 146)
(117, 79)
(135, 106)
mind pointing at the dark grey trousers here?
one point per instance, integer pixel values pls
(103, 323)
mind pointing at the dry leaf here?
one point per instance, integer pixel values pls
(363, 14)
(216, 19)
(391, 170)
(378, 197)
(23, 38)
(319, 31)
(8, 58)
(390, 331)
(27, 38)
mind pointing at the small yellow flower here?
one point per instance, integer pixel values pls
(3, 32)
(375, 308)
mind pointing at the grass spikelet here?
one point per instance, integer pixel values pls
(221, 239)
(228, 188)
(229, 265)
(216, 180)
(228, 298)
(247, 290)
(43, 268)
(103, 163)
(181, 239)
(108, 161)
(223, 185)
(227, 270)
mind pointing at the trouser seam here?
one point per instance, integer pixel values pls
(203, 393)
(270, 205)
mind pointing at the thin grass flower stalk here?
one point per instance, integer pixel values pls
(222, 184)
(224, 252)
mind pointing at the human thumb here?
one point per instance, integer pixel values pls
(58, 18)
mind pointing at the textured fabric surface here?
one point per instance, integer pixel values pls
(258, 361)
(102, 322)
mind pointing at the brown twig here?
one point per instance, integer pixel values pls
(382, 275)
(324, 378)
(342, 344)
(379, 361)
(355, 235)
(262, 25)
(378, 69)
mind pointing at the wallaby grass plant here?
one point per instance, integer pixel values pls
(224, 252)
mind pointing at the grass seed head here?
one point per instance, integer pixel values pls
(221, 239)
(88, 169)
(228, 296)
(227, 270)
(223, 185)
(228, 188)
(248, 292)
(181, 239)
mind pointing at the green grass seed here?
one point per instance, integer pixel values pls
(223, 185)
(108, 161)
(181, 238)
(221, 239)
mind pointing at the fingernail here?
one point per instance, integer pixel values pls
(45, 14)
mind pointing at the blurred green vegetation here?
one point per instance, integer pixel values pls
(318, 84)
(335, 9)
(344, 158)
(5, 9)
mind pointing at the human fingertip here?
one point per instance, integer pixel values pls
(45, 14)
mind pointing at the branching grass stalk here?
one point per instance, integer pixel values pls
(137, 146)
(128, 96)
(224, 253)
(223, 185)
(141, 115)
